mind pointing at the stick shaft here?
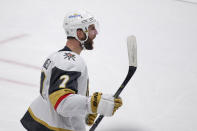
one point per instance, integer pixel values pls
(131, 71)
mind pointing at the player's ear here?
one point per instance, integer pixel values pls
(80, 34)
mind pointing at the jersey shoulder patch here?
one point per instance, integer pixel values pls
(69, 61)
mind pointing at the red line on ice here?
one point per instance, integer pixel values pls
(12, 38)
(20, 64)
(17, 82)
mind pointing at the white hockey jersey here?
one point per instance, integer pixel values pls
(62, 104)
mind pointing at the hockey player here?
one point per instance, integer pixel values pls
(64, 103)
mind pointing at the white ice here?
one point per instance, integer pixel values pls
(161, 95)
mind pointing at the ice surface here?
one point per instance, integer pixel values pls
(162, 94)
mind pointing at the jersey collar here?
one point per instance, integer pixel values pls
(65, 49)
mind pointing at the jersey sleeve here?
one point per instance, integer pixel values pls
(73, 106)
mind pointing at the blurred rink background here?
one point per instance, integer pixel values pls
(162, 94)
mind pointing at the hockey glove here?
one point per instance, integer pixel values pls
(104, 104)
(90, 119)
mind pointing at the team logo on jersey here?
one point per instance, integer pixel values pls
(69, 56)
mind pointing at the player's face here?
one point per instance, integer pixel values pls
(92, 32)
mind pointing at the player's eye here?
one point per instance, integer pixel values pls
(93, 28)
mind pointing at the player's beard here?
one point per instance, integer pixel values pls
(89, 44)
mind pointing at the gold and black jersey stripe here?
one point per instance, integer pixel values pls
(32, 123)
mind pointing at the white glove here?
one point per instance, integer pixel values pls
(104, 104)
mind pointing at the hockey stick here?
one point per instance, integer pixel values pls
(132, 54)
